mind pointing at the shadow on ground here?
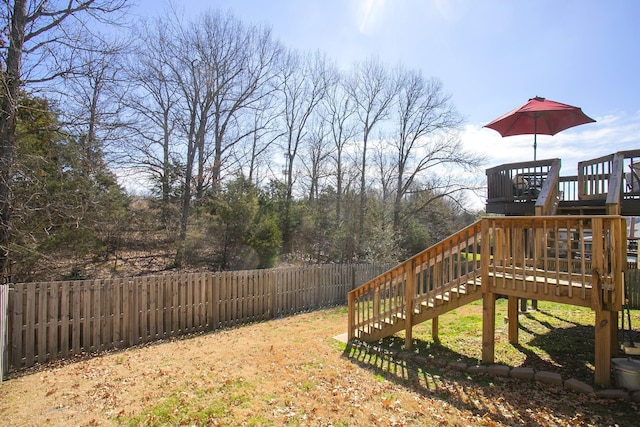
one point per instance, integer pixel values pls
(427, 370)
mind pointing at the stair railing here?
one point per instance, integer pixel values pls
(429, 276)
(616, 185)
(549, 198)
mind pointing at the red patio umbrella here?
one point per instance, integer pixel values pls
(539, 116)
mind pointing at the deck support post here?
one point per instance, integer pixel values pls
(603, 314)
(603, 327)
(434, 329)
(488, 327)
(488, 298)
(410, 277)
(512, 315)
(615, 344)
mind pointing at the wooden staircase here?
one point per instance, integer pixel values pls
(438, 279)
(442, 302)
(570, 259)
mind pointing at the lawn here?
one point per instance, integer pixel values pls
(291, 371)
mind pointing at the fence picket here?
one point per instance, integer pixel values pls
(30, 332)
(86, 317)
(42, 302)
(214, 305)
(16, 322)
(188, 314)
(96, 316)
(52, 323)
(76, 324)
(143, 310)
(164, 304)
(4, 329)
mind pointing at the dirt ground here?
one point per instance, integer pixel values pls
(284, 372)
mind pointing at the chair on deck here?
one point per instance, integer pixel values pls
(520, 185)
(527, 185)
(632, 178)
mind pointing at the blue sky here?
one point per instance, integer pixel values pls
(490, 55)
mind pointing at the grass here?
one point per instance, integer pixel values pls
(556, 337)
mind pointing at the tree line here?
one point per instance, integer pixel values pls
(209, 138)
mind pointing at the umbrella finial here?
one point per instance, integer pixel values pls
(537, 98)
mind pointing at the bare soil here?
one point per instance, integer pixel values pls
(288, 371)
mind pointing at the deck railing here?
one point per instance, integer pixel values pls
(593, 177)
(611, 182)
(517, 185)
(568, 188)
(517, 181)
(549, 198)
(631, 173)
(558, 258)
(576, 260)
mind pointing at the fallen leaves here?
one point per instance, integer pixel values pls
(285, 372)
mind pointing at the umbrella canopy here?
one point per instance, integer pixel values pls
(539, 116)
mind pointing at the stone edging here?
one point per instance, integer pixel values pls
(504, 371)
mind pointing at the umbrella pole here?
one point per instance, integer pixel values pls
(535, 135)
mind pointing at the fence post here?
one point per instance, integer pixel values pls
(4, 323)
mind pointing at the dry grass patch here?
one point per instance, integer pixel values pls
(292, 372)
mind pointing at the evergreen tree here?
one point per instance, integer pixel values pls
(66, 203)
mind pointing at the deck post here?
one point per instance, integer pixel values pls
(351, 318)
(434, 329)
(488, 297)
(604, 319)
(488, 327)
(410, 276)
(512, 315)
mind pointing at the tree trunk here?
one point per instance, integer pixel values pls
(363, 200)
(166, 169)
(397, 204)
(8, 115)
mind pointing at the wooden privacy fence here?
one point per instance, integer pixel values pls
(4, 302)
(54, 320)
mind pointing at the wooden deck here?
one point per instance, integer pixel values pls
(606, 185)
(571, 259)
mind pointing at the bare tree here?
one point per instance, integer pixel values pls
(210, 74)
(371, 88)
(303, 85)
(429, 154)
(261, 133)
(154, 102)
(338, 112)
(318, 151)
(237, 63)
(41, 31)
(92, 96)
